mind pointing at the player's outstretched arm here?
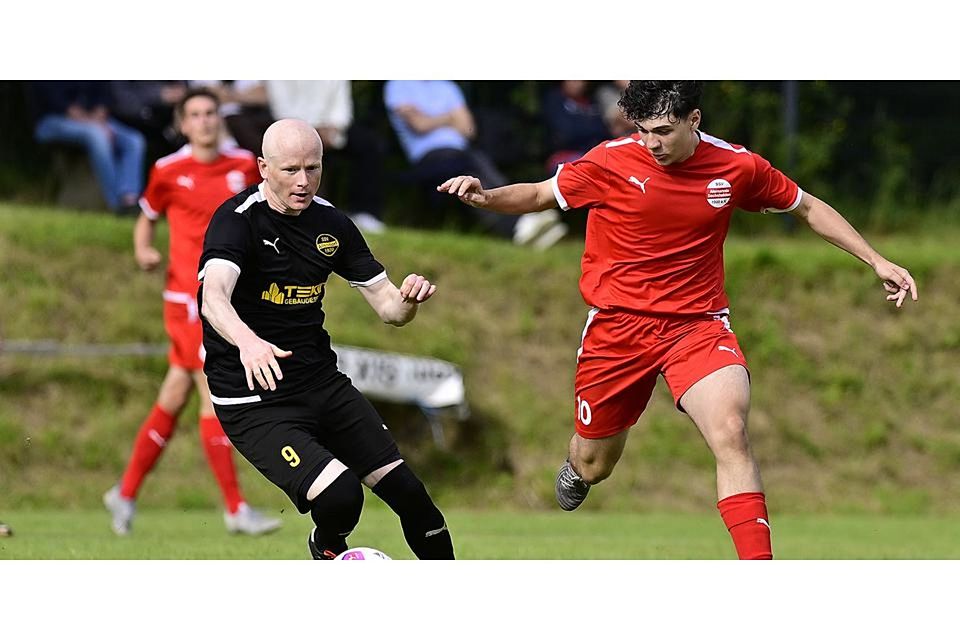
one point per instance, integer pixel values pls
(833, 227)
(398, 306)
(258, 357)
(517, 199)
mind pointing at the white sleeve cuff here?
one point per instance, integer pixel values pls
(211, 261)
(148, 210)
(375, 279)
(796, 203)
(554, 182)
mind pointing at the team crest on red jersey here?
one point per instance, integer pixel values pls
(718, 193)
(236, 181)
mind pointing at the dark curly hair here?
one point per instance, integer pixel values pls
(649, 99)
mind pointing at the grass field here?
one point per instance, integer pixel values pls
(853, 414)
(481, 535)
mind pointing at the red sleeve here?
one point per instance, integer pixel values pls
(156, 197)
(584, 182)
(770, 190)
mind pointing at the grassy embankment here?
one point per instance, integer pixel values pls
(854, 402)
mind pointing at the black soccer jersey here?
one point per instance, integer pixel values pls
(284, 262)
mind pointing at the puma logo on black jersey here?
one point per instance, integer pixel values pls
(273, 244)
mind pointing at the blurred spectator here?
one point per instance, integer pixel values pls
(574, 123)
(355, 152)
(147, 106)
(435, 126)
(245, 109)
(74, 112)
(608, 95)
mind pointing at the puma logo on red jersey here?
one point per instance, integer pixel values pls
(642, 184)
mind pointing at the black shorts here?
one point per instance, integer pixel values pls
(291, 439)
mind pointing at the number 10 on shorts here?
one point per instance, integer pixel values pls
(584, 414)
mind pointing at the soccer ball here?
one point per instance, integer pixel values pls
(363, 553)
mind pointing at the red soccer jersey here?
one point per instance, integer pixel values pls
(655, 233)
(188, 192)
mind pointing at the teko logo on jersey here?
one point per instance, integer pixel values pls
(718, 193)
(292, 294)
(327, 244)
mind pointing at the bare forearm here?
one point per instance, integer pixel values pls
(399, 313)
(516, 199)
(223, 318)
(826, 222)
(398, 306)
(143, 233)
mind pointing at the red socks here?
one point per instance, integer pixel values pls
(745, 515)
(219, 452)
(149, 444)
(152, 438)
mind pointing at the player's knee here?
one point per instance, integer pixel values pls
(336, 509)
(593, 470)
(403, 491)
(175, 391)
(591, 465)
(402, 482)
(730, 437)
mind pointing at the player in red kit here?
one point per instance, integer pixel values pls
(187, 187)
(660, 203)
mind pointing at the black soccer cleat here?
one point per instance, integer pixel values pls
(315, 552)
(571, 489)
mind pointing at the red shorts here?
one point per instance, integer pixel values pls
(621, 355)
(182, 323)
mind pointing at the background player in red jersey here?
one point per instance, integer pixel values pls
(652, 270)
(187, 186)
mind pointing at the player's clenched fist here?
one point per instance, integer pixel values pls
(416, 289)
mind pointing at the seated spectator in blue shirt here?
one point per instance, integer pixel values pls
(74, 112)
(434, 125)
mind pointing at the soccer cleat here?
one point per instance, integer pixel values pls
(315, 552)
(5, 530)
(122, 510)
(249, 521)
(571, 489)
